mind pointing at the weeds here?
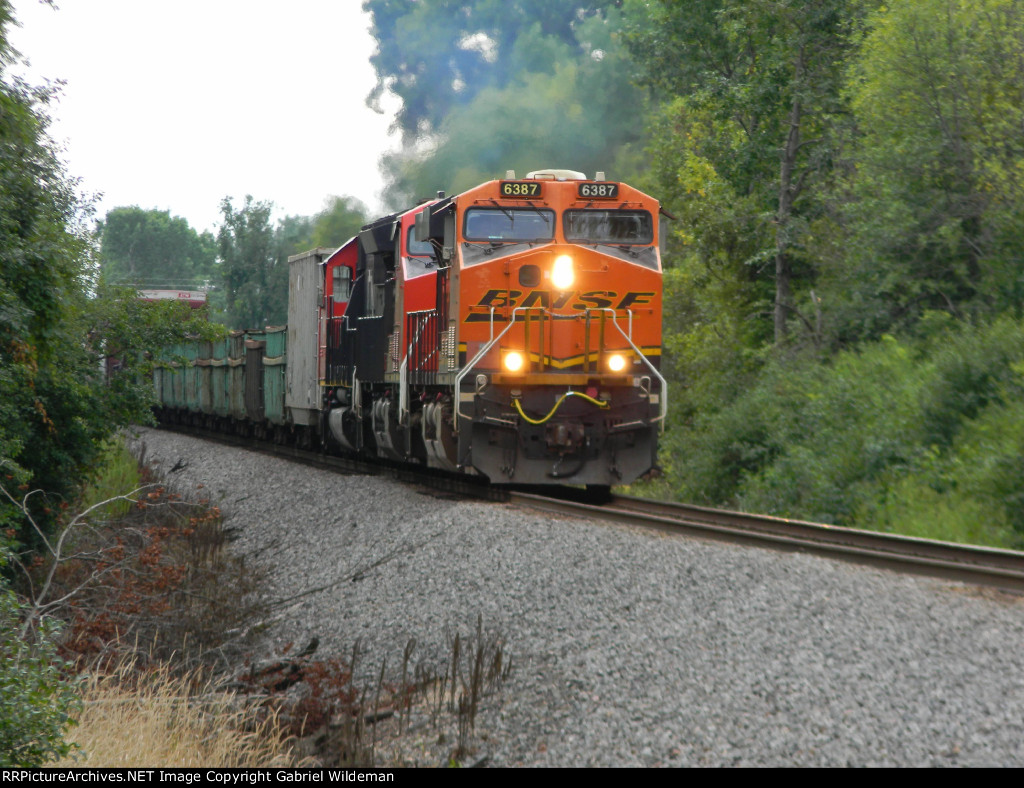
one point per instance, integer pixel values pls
(167, 582)
(481, 672)
(341, 725)
(118, 473)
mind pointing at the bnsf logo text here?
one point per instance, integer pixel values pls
(546, 299)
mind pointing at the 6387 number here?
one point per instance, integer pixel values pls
(521, 189)
(598, 191)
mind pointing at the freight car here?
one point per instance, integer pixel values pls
(512, 331)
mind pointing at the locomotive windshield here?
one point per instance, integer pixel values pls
(501, 225)
(609, 227)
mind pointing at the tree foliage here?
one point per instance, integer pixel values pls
(252, 275)
(56, 328)
(254, 282)
(756, 110)
(152, 249)
(437, 55)
(46, 406)
(38, 701)
(340, 219)
(935, 200)
(870, 155)
(43, 270)
(490, 86)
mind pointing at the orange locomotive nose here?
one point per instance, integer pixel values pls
(558, 299)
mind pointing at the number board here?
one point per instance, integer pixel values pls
(519, 190)
(598, 191)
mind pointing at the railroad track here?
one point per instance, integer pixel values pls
(986, 566)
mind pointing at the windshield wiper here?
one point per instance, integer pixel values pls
(540, 213)
(508, 214)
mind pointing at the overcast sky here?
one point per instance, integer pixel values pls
(177, 105)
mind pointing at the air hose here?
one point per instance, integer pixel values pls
(563, 398)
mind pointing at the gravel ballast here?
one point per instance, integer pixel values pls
(630, 648)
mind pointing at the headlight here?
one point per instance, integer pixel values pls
(616, 362)
(562, 275)
(513, 361)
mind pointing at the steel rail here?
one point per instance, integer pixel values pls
(985, 566)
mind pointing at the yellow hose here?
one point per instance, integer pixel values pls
(558, 404)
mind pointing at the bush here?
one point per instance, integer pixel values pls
(991, 456)
(914, 507)
(839, 428)
(38, 700)
(973, 368)
(920, 435)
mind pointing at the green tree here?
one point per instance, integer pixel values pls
(152, 249)
(56, 406)
(294, 234)
(437, 55)
(252, 278)
(340, 219)
(554, 90)
(45, 270)
(935, 199)
(757, 109)
(253, 282)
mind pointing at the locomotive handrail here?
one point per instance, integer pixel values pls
(663, 393)
(476, 359)
(403, 391)
(357, 395)
(414, 341)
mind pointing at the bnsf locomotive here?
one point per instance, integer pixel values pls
(513, 331)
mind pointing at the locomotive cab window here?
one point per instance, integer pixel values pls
(502, 225)
(342, 284)
(609, 227)
(414, 248)
(419, 256)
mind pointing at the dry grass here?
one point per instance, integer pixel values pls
(156, 719)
